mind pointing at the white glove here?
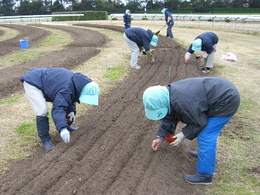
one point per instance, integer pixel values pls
(143, 52)
(204, 54)
(72, 117)
(180, 137)
(65, 135)
(215, 47)
(187, 56)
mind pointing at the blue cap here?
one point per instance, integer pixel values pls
(196, 45)
(154, 40)
(163, 10)
(90, 93)
(156, 102)
(127, 11)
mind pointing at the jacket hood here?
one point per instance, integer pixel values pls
(150, 33)
(80, 81)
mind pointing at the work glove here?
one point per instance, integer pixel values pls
(215, 47)
(187, 57)
(72, 118)
(204, 54)
(143, 52)
(65, 135)
(180, 137)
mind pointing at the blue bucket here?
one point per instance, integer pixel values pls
(24, 44)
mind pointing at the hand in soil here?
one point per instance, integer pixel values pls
(156, 143)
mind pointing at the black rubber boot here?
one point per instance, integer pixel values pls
(194, 154)
(198, 178)
(43, 129)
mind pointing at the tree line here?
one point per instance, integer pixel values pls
(42, 7)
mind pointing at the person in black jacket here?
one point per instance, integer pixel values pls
(139, 40)
(63, 88)
(205, 105)
(207, 43)
(127, 19)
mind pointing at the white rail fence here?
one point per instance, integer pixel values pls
(33, 18)
(245, 22)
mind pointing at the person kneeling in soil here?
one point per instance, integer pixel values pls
(205, 105)
(139, 40)
(63, 88)
(206, 42)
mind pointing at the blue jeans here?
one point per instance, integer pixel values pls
(207, 144)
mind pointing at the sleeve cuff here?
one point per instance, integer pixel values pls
(161, 138)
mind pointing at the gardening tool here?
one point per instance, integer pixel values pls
(199, 57)
(157, 33)
(169, 138)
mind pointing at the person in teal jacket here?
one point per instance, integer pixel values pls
(205, 105)
(63, 88)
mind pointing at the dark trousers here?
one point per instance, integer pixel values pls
(169, 32)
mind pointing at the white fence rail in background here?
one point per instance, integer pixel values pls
(33, 18)
(190, 17)
(245, 22)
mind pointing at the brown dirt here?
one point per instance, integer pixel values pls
(74, 54)
(111, 152)
(35, 36)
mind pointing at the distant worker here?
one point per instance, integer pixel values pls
(63, 88)
(127, 19)
(207, 43)
(139, 40)
(205, 105)
(169, 22)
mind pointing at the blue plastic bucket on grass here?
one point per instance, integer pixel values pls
(24, 44)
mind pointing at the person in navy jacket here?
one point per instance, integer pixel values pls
(207, 43)
(127, 19)
(169, 22)
(63, 88)
(205, 105)
(139, 40)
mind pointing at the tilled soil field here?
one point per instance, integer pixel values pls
(111, 152)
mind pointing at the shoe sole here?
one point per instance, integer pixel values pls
(194, 156)
(203, 183)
